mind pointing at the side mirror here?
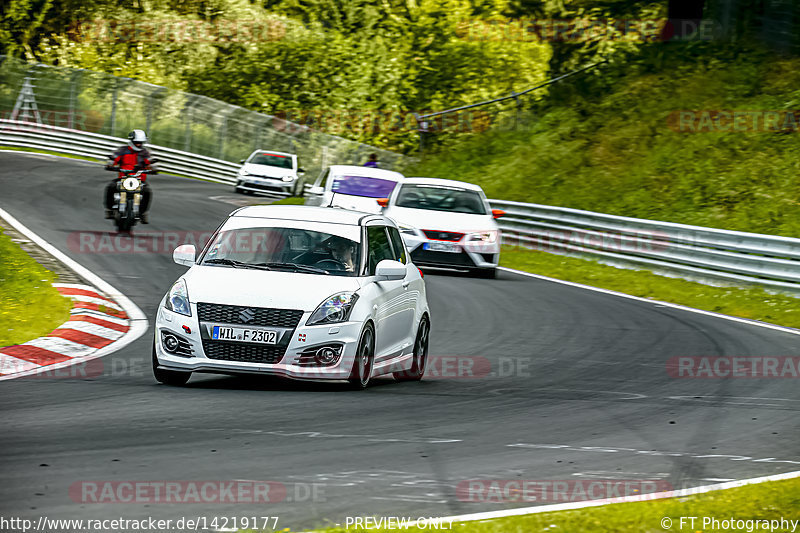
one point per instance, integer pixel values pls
(241, 161)
(389, 270)
(301, 171)
(316, 190)
(184, 255)
(383, 202)
(497, 213)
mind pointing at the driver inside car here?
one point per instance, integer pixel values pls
(342, 251)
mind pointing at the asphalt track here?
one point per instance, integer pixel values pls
(578, 389)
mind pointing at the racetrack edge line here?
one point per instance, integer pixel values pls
(784, 329)
(138, 320)
(691, 491)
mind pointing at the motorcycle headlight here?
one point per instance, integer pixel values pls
(484, 237)
(130, 184)
(288, 178)
(337, 308)
(178, 299)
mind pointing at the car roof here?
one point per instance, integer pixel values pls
(443, 182)
(371, 172)
(330, 215)
(274, 152)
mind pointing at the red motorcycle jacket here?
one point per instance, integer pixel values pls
(125, 158)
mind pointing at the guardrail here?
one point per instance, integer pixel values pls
(53, 138)
(694, 251)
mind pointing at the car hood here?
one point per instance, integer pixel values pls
(267, 171)
(440, 220)
(259, 288)
(356, 203)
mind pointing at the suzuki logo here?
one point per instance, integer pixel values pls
(247, 315)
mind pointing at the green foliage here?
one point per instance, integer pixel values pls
(29, 305)
(616, 150)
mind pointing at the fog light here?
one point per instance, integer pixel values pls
(170, 343)
(326, 355)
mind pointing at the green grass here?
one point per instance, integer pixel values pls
(289, 201)
(615, 146)
(745, 302)
(29, 305)
(765, 501)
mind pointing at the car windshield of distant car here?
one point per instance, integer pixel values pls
(363, 186)
(439, 198)
(272, 160)
(285, 250)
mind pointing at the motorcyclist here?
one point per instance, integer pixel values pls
(132, 156)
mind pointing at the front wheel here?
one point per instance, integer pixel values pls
(417, 369)
(365, 357)
(169, 377)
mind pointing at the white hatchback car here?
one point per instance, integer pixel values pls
(447, 223)
(352, 187)
(299, 292)
(265, 171)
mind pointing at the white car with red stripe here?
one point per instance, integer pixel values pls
(298, 292)
(446, 223)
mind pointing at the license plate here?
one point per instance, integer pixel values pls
(441, 247)
(259, 336)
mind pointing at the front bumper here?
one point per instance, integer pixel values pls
(470, 255)
(272, 186)
(287, 364)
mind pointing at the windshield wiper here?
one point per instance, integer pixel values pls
(297, 267)
(237, 264)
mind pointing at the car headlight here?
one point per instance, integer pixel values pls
(484, 237)
(337, 308)
(178, 299)
(288, 178)
(408, 230)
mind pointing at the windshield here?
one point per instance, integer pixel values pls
(272, 160)
(363, 186)
(285, 249)
(440, 198)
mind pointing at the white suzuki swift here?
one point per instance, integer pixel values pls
(299, 292)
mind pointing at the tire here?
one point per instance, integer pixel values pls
(237, 190)
(169, 377)
(365, 358)
(417, 369)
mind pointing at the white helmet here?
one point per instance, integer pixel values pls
(136, 139)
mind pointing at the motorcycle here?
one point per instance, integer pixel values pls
(127, 199)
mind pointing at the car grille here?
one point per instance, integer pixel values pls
(443, 235)
(246, 353)
(261, 316)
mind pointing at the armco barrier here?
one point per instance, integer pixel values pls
(63, 140)
(691, 250)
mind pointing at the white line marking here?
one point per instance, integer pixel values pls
(138, 322)
(92, 329)
(11, 365)
(93, 300)
(81, 312)
(76, 286)
(489, 515)
(767, 325)
(61, 346)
